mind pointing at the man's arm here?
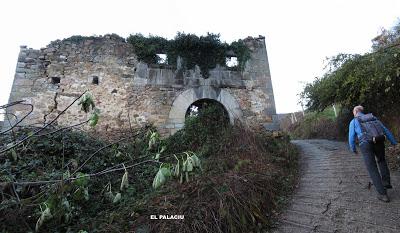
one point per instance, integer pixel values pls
(389, 135)
(352, 137)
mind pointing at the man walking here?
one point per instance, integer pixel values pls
(371, 134)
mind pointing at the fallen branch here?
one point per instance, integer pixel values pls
(19, 121)
(118, 167)
(60, 129)
(102, 148)
(42, 128)
(87, 175)
(11, 104)
(9, 113)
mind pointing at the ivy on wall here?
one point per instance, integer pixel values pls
(242, 52)
(205, 51)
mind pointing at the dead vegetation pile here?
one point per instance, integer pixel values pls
(244, 184)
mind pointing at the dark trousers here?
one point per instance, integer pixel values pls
(370, 151)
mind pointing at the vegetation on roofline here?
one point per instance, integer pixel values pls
(205, 51)
(79, 39)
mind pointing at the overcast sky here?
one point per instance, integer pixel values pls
(299, 34)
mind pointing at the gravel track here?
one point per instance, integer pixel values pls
(334, 194)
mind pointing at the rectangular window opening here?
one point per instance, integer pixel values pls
(231, 62)
(55, 80)
(162, 58)
(95, 80)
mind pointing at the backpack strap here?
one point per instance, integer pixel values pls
(354, 128)
(363, 130)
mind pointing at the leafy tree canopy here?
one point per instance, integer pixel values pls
(372, 79)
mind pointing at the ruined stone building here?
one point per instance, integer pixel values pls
(122, 86)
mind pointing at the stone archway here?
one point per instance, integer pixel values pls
(176, 118)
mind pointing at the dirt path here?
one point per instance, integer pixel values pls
(333, 194)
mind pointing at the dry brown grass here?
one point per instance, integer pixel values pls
(241, 190)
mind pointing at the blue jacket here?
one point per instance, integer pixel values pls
(355, 130)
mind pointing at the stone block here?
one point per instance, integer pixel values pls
(21, 90)
(35, 67)
(139, 81)
(20, 70)
(21, 64)
(29, 60)
(23, 82)
(128, 76)
(176, 120)
(19, 75)
(172, 131)
(177, 86)
(271, 126)
(142, 70)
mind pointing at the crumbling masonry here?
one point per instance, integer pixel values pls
(52, 77)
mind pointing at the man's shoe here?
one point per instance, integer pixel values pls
(383, 197)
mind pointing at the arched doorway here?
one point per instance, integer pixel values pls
(182, 102)
(201, 105)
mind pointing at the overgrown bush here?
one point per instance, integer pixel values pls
(70, 182)
(342, 122)
(245, 181)
(323, 125)
(79, 39)
(200, 133)
(73, 179)
(313, 126)
(205, 51)
(147, 48)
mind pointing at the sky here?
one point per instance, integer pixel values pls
(299, 34)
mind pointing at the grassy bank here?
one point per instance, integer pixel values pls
(315, 125)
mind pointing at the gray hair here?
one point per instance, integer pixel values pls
(358, 108)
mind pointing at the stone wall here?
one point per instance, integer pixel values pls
(124, 88)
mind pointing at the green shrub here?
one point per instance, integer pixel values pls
(202, 132)
(147, 48)
(371, 80)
